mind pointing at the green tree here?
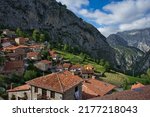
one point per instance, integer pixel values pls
(30, 74)
(19, 32)
(102, 62)
(2, 60)
(42, 37)
(44, 54)
(36, 35)
(148, 72)
(66, 47)
(107, 66)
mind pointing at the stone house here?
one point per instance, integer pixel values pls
(85, 73)
(36, 47)
(56, 86)
(54, 55)
(66, 66)
(76, 69)
(11, 67)
(9, 33)
(20, 93)
(33, 56)
(43, 65)
(92, 88)
(21, 40)
(13, 57)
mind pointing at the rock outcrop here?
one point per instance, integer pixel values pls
(60, 23)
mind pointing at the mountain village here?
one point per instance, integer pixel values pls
(59, 78)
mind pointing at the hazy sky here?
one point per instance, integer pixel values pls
(111, 16)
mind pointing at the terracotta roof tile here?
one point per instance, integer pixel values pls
(53, 53)
(13, 65)
(45, 61)
(20, 88)
(59, 82)
(138, 85)
(32, 54)
(66, 65)
(77, 66)
(93, 88)
(135, 94)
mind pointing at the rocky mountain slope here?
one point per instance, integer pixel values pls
(126, 56)
(137, 38)
(143, 64)
(116, 40)
(60, 23)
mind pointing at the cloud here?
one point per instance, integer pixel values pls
(138, 24)
(115, 16)
(74, 5)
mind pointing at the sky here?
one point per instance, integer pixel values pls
(111, 16)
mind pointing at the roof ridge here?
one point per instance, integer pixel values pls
(61, 85)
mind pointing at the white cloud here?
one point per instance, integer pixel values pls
(116, 16)
(138, 24)
(74, 5)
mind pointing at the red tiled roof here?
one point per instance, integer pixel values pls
(32, 54)
(138, 85)
(142, 93)
(36, 46)
(92, 88)
(77, 66)
(20, 88)
(66, 65)
(45, 61)
(53, 53)
(59, 82)
(12, 65)
(15, 47)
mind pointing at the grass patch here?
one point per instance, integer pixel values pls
(116, 79)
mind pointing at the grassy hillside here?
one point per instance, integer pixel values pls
(116, 78)
(75, 59)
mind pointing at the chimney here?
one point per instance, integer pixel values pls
(11, 86)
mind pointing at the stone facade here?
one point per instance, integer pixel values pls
(19, 95)
(37, 95)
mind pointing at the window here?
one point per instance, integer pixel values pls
(52, 94)
(35, 90)
(76, 89)
(44, 92)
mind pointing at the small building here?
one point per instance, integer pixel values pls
(54, 55)
(87, 73)
(76, 69)
(33, 56)
(6, 44)
(59, 68)
(20, 93)
(43, 65)
(36, 47)
(137, 85)
(12, 67)
(135, 94)
(21, 40)
(13, 57)
(56, 86)
(88, 67)
(20, 50)
(94, 88)
(66, 66)
(9, 33)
